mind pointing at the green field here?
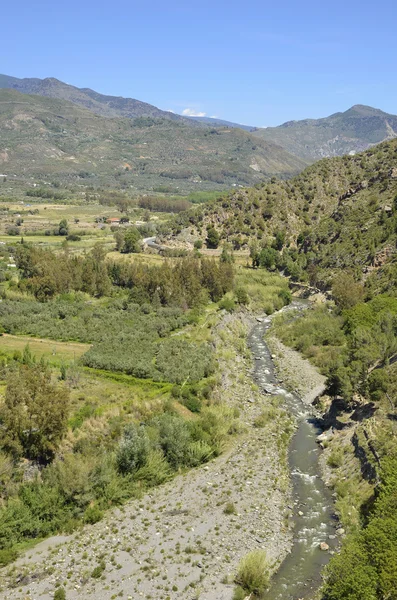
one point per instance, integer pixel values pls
(53, 351)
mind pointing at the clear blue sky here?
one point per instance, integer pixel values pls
(255, 62)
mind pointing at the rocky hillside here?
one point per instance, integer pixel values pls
(337, 214)
(54, 141)
(342, 133)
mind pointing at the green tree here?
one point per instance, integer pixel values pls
(346, 291)
(63, 227)
(213, 238)
(34, 414)
(128, 242)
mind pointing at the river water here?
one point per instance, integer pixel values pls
(313, 517)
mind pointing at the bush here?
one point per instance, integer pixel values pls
(7, 556)
(227, 304)
(335, 459)
(253, 572)
(99, 570)
(229, 509)
(133, 449)
(60, 594)
(93, 514)
(242, 296)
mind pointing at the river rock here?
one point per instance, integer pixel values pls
(324, 437)
(340, 531)
(324, 546)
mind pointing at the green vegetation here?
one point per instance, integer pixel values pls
(336, 214)
(253, 572)
(77, 440)
(35, 412)
(367, 567)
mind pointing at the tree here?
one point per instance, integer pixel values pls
(63, 227)
(267, 258)
(213, 238)
(34, 414)
(346, 291)
(227, 254)
(128, 242)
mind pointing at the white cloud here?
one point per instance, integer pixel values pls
(191, 112)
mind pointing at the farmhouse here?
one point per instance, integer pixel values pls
(113, 221)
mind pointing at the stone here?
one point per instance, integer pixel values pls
(324, 546)
(340, 531)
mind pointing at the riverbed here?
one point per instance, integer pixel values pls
(312, 514)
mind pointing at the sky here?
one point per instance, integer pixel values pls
(253, 62)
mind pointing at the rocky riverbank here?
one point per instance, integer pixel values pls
(297, 373)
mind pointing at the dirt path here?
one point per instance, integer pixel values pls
(183, 540)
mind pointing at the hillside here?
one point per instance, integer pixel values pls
(58, 142)
(215, 122)
(338, 210)
(342, 133)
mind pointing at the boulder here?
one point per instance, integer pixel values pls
(324, 546)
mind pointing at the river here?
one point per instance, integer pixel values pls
(313, 516)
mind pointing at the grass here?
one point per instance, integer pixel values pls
(253, 572)
(55, 352)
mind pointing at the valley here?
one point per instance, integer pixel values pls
(177, 421)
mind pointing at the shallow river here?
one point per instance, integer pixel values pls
(313, 516)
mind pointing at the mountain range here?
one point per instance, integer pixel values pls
(54, 141)
(53, 130)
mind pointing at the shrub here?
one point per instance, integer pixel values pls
(7, 556)
(230, 509)
(93, 514)
(133, 449)
(227, 304)
(99, 570)
(242, 296)
(253, 572)
(60, 594)
(335, 459)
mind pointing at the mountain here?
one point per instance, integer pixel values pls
(309, 140)
(215, 122)
(105, 106)
(342, 133)
(334, 211)
(100, 104)
(53, 140)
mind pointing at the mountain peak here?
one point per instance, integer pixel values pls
(362, 110)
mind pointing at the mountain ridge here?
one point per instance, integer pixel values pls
(351, 131)
(101, 104)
